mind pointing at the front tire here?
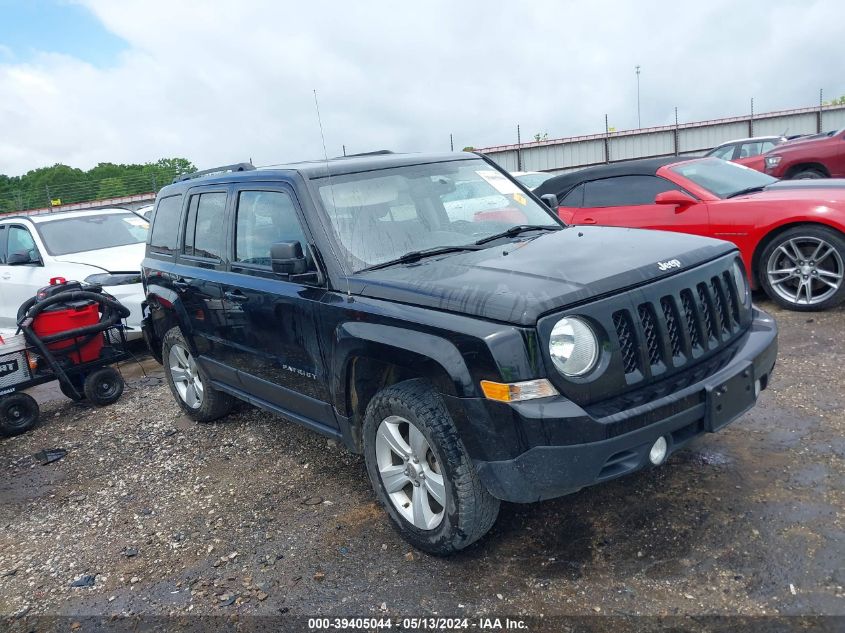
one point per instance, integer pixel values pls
(421, 472)
(808, 174)
(803, 268)
(18, 414)
(189, 383)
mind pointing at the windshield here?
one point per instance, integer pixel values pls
(380, 215)
(722, 178)
(92, 232)
(532, 181)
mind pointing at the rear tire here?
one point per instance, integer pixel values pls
(802, 269)
(18, 414)
(103, 386)
(189, 383)
(433, 494)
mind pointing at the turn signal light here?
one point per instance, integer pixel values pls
(517, 391)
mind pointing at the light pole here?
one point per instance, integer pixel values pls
(639, 122)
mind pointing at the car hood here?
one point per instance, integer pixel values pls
(118, 259)
(517, 282)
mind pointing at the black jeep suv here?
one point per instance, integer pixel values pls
(430, 312)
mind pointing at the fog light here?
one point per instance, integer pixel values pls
(757, 388)
(658, 452)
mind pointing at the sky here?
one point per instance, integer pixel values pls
(219, 82)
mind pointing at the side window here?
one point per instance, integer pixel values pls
(204, 232)
(747, 150)
(765, 146)
(574, 199)
(725, 153)
(264, 218)
(164, 234)
(20, 241)
(624, 191)
(3, 233)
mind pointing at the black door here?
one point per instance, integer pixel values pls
(271, 334)
(197, 276)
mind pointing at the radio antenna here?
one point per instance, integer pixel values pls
(331, 187)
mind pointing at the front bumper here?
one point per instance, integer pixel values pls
(622, 439)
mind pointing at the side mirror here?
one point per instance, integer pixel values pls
(551, 200)
(21, 258)
(675, 197)
(287, 258)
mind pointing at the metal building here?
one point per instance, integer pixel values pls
(680, 140)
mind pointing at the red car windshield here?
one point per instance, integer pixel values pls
(722, 178)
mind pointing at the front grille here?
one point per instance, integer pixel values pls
(649, 323)
(672, 324)
(708, 314)
(672, 330)
(693, 327)
(724, 319)
(627, 341)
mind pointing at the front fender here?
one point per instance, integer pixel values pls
(432, 356)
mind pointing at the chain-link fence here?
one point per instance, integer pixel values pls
(150, 178)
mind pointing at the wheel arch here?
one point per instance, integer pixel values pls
(370, 357)
(802, 166)
(774, 233)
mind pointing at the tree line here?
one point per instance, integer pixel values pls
(61, 184)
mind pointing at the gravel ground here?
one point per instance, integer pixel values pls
(254, 515)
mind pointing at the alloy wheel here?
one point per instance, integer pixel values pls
(410, 473)
(805, 270)
(185, 375)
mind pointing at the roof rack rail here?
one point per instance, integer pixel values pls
(215, 170)
(378, 152)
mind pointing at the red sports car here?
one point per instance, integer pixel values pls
(791, 233)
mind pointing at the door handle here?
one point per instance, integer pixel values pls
(588, 221)
(236, 296)
(181, 284)
(6, 276)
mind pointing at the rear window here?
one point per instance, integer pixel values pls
(92, 232)
(165, 232)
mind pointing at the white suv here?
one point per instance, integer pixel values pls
(102, 247)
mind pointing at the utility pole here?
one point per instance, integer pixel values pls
(751, 120)
(518, 147)
(821, 111)
(639, 121)
(677, 134)
(451, 143)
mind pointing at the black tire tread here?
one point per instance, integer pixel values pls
(9, 430)
(479, 509)
(89, 387)
(215, 404)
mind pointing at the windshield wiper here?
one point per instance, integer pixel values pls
(742, 192)
(516, 230)
(415, 256)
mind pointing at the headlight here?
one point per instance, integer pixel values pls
(773, 161)
(573, 346)
(740, 281)
(113, 279)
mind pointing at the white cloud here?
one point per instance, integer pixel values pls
(221, 82)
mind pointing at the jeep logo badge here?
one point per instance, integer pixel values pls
(672, 263)
(8, 367)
